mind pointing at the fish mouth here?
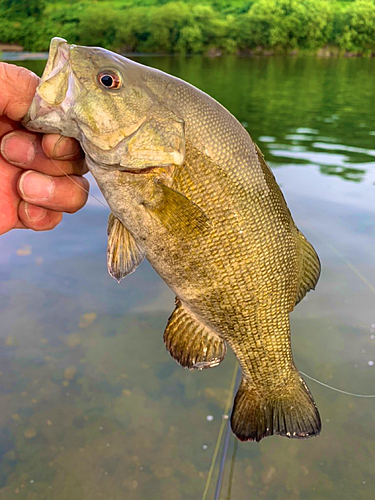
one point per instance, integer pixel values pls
(58, 56)
(55, 93)
(119, 168)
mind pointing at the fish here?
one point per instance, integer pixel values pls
(191, 192)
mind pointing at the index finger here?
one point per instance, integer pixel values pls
(18, 87)
(58, 147)
(66, 151)
(25, 149)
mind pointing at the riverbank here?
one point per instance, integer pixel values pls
(325, 52)
(22, 56)
(192, 27)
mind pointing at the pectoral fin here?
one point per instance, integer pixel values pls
(190, 342)
(178, 213)
(123, 255)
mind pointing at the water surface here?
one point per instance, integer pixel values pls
(92, 405)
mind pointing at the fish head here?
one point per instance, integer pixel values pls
(105, 101)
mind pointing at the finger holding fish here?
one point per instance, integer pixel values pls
(44, 188)
(50, 156)
(54, 193)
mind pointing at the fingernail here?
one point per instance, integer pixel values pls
(18, 148)
(34, 213)
(36, 187)
(62, 148)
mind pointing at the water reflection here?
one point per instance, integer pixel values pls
(271, 96)
(93, 407)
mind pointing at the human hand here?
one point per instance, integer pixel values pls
(33, 190)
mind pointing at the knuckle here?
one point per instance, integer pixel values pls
(53, 219)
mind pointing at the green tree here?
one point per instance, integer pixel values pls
(358, 32)
(97, 26)
(216, 29)
(287, 24)
(166, 23)
(191, 26)
(23, 8)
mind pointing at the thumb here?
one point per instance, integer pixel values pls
(17, 90)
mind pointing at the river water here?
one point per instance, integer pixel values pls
(93, 407)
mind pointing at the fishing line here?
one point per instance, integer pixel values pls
(225, 449)
(372, 288)
(222, 464)
(336, 389)
(352, 267)
(218, 441)
(77, 184)
(231, 472)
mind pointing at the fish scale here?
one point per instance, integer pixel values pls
(190, 191)
(228, 254)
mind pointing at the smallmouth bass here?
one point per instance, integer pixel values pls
(190, 191)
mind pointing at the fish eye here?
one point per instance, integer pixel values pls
(109, 79)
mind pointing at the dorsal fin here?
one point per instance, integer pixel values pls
(190, 342)
(309, 269)
(123, 254)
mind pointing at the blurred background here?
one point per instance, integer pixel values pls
(192, 27)
(91, 404)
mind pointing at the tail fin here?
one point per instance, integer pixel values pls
(291, 412)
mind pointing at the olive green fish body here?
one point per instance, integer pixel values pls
(191, 192)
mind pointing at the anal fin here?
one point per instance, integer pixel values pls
(123, 254)
(190, 342)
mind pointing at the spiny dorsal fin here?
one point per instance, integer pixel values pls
(179, 214)
(289, 411)
(309, 270)
(123, 254)
(190, 342)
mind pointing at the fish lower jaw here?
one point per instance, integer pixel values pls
(53, 116)
(46, 118)
(92, 162)
(38, 109)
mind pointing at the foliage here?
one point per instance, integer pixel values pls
(190, 26)
(358, 33)
(24, 8)
(287, 24)
(173, 27)
(29, 33)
